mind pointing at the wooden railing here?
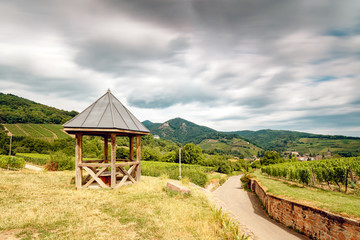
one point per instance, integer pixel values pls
(97, 170)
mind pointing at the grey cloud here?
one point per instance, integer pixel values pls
(62, 87)
(338, 123)
(120, 59)
(169, 97)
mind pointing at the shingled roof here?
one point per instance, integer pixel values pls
(106, 113)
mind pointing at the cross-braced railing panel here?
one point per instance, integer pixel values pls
(98, 170)
(95, 177)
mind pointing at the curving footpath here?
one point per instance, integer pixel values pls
(246, 208)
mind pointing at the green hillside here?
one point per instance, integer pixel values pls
(304, 143)
(14, 109)
(344, 147)
(235, 146)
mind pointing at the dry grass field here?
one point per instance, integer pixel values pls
(45, 205)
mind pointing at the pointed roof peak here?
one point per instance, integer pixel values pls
(107, 112)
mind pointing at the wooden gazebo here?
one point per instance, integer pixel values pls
(108, 118)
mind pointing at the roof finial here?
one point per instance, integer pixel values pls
(108, 90)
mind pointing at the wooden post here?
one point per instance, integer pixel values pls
(113, 160)
(106, 149)
(138, 158)
(78, 160)
(131, 148)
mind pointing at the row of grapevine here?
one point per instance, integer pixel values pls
(42, 130)
(57, 129)
(337, 171)
(31, 131)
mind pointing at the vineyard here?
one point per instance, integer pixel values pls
(42, 131)
(340, 172)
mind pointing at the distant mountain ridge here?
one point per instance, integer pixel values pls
(179, 130)
(183, 131)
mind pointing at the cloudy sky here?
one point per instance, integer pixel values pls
(226, 64)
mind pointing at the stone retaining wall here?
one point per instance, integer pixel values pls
(313, 222)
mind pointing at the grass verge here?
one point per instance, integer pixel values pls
(45, 205)
(344, 204)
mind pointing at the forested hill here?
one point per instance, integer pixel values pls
(14, 109)
(180, 130)
(211, 141)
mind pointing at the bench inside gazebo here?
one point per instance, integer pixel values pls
(108, 118)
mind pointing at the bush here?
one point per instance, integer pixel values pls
(11, 162)
(194, 173)
(245, 179)
(59, 161)
(224, 167)
(304, 176)
(122, 153)
(39, 159)
(256, 164)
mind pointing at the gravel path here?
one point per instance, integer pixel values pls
(32, 167)
(246, 208)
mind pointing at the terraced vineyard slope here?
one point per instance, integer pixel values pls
(42, 131)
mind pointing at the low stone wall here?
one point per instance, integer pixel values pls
(313, 222)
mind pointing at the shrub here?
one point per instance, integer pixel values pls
(59, 161)
(225, 168)
(122, 153)
(304, 176)
(245, 179)
(11, 162)
(40, 159)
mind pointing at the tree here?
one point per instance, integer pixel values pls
(122, 153)
(150, 154)
(192, 154)
(271, 157)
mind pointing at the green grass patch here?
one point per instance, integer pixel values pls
(45, 205)
(336, 202)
